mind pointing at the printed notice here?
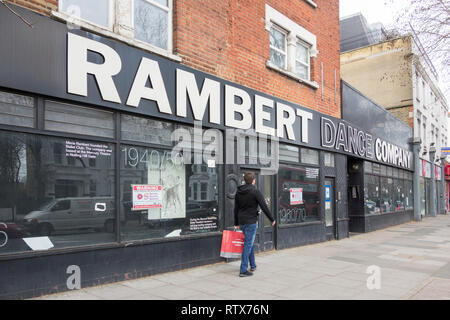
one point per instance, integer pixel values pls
(312, 173)
(296, 196)
(87, 150)
(146, 196)
(208, 223)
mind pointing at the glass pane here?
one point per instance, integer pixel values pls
(47, 190)
(146, 130)
(93, 11)
(184, 200)
(309, 156)
(302, 53)
(289, 153)
(268, 197)
(399, 195)
(371, 194)
(387, 191)
(298, 183)
(301, 70)
(150, 24)
(75, 119)
(409, 200)
(277, 39)
(161, 2)
(376, 168)
(383, 170)
(16, 110)
(367, 167)
(278, 59)
(329, 159)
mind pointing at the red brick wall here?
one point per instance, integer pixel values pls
(41, 6)
(228, 38)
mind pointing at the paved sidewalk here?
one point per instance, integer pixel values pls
(414, 262)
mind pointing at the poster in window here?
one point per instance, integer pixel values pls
(146, 196)
(296, 195)
(172, 178)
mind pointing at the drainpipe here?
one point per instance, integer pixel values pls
(415, 142)
(433, 182)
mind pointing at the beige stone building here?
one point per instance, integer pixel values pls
(398, 77)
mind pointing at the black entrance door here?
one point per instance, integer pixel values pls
(265, 235)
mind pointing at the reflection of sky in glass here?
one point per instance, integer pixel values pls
(301, 70)
(94, 11)
(277, 39)
(150, 23)
(302, 53)
(23, 165)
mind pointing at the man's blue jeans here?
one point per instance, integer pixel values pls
(248, 254)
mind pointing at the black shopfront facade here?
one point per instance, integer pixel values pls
(86, 122)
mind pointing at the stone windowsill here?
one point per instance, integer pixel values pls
(108, 33)
(292, 75)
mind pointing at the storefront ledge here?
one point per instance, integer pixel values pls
(105, 246)
(292, 75)
(299, 225)
(108, 33)
(383, 214)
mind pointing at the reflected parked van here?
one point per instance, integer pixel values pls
(67, 214)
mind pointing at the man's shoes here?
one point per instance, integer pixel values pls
(253, 268)
(246, 274)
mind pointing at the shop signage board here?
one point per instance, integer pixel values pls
(79, 66)
(296, 195)
(146, 196)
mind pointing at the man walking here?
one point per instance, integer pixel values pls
(246, 218)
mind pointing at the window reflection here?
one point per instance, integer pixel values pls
(45, 190)
(189, 194)
(151, 23)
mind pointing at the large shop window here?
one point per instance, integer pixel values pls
(163, 197)
(371, 194)
(299, 195)
(387, 189)
(55, 193)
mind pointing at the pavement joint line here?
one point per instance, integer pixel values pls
(419, 288)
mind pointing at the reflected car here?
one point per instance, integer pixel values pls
(14, 230)
(65, 214)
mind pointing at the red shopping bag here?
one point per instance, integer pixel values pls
(232, 244)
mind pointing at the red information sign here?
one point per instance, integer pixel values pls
(146, 196)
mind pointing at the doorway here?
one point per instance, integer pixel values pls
(265, 235)
(330, 212)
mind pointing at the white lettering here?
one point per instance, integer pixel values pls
(78, 67)
(149, 69)
(186, 85)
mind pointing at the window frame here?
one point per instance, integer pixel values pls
(285, 53)
(111, 15)
(308, 48)
(169, 10)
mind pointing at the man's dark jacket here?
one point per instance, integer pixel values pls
(246, 204)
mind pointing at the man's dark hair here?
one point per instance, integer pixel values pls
(249, 177)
